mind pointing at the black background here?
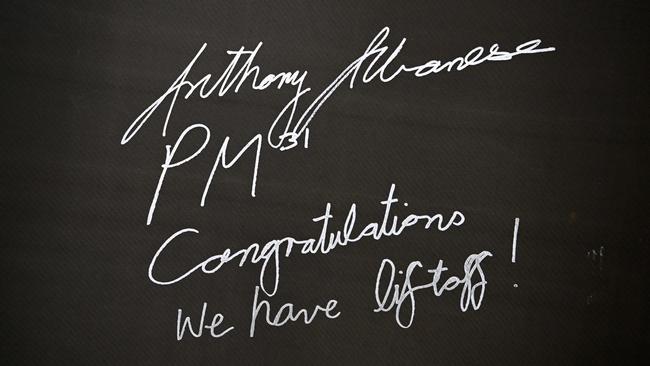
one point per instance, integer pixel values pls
(558, 139)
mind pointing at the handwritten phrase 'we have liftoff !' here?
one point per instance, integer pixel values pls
(290, 129)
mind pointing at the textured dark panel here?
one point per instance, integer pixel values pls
(559, 140)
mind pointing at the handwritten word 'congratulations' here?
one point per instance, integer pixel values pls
(270, 254)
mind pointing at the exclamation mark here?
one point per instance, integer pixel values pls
(514, 244)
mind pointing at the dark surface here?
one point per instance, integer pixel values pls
(558, 139)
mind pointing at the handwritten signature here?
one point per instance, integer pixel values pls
(376, 63)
